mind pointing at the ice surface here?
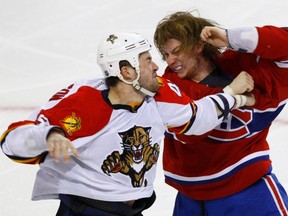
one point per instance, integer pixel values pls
(45, 45)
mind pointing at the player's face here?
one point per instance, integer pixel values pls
(148, 75)
(186, 65)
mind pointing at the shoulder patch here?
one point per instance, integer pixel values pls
(71, 123)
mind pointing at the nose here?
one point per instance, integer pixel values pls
(170, 59)
(155, 67)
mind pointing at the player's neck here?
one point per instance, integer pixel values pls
(125, 94)
(204, 69)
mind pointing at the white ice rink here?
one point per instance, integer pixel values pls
(47, 44)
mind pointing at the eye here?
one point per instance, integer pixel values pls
(176, 51)
(165, 55)
(149, 60)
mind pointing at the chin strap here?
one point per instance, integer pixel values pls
(143, 90)
(137, 86)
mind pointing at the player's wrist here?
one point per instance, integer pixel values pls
(228, 90)
(240, 101)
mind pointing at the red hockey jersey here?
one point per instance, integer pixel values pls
(236, 153)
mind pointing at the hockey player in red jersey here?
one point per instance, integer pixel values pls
(226, 171)
(108, 131)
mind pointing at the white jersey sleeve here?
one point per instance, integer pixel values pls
(183, 115)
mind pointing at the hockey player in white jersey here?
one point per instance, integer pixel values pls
(97, 141)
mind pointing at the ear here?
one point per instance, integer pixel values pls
(199, 48)
(126, 72)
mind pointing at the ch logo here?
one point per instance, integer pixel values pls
(112, 38)
(235, 127)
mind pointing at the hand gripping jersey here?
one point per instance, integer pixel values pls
(118, 145)
(236, 153)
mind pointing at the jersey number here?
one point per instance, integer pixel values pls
(175, 88)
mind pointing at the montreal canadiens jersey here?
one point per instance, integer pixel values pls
(118, 145)
(236, 153)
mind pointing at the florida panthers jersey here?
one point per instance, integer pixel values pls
(118, 145)
(236, 153)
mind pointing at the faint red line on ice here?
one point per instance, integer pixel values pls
(17, 108)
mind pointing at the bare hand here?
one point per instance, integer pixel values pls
(214, 36)
(59, 145)
(242, 83)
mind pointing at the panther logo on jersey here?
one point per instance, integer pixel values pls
(137, 158)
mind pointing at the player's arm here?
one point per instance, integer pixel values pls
(212, 110)
(199, 116)
(182, 115)
(268, 41)
(25, 142)
(31, 141)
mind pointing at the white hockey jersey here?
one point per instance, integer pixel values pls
(118, 145)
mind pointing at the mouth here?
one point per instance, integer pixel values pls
(155, 76)
(177, 68)
(138, 156)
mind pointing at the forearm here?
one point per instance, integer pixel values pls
(26, 141)
(243, 39)
(211, 110)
